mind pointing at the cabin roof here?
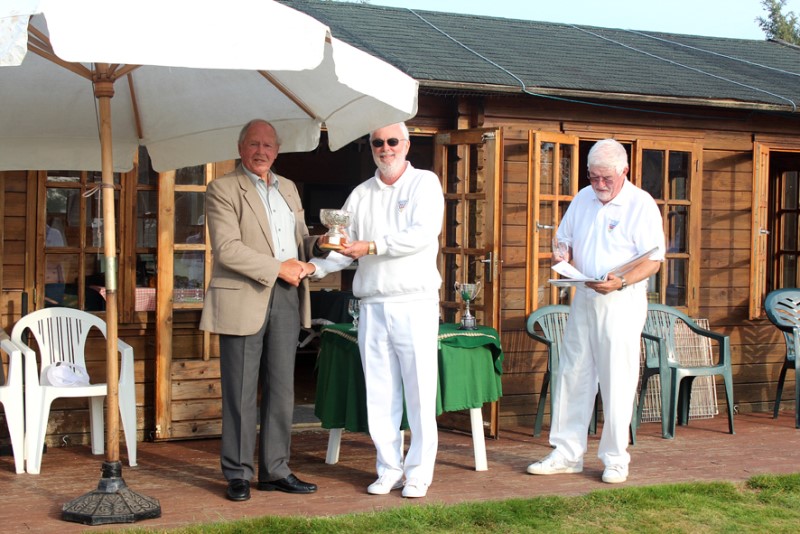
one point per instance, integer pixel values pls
(449, 51)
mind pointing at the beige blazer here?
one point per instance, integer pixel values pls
(245, 268)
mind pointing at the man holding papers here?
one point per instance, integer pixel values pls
(615, 236)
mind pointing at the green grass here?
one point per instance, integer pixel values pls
(768, 503)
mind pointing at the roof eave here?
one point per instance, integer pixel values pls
(595, 95)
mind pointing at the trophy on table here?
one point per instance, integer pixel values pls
(336, 221)
(468, 292)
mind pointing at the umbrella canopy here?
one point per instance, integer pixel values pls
(180, 77)
(187, 77)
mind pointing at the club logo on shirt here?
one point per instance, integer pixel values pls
(612, 225)
(401, 205)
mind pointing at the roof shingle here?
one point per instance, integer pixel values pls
(502, 54)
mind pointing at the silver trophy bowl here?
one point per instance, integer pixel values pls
(336, 221)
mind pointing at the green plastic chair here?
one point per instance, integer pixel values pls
(676, 378)
(783, 309)
(551, 321)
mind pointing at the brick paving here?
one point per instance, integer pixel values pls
(185, 477)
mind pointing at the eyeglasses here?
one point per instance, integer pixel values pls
(608, 180)
(392, 141)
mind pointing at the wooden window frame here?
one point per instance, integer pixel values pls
(694, 205)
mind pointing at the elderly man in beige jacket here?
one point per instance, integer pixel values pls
(257, 300)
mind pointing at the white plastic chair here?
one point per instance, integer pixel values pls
(11, 399)
(60, 334)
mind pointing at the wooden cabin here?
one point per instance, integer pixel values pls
(508, 110)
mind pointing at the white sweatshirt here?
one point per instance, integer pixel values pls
(404, 220)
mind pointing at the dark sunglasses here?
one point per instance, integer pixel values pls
(392, 141)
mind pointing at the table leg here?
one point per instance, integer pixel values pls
(478, 443)
(334, 443)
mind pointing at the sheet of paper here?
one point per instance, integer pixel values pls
(568, 271)
(572, 276)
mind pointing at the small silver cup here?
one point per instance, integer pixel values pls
(468, 293)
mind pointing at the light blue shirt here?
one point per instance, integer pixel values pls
(280, 216)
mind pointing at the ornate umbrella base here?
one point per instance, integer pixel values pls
(111, 502)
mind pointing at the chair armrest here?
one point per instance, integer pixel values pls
(14, 379)
(540, 339)
(694, 327)
(661, 350)
(126, 365)
(795, 342)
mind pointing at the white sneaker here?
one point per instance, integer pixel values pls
(555, 464)
(615, 474)
(386, 483)
(414, 488)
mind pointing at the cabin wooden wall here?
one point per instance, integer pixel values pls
(757, 347)
(13, 202)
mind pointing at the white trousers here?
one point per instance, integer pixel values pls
(398, 344)
(601, 345)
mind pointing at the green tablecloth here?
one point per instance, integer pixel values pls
(470, 369)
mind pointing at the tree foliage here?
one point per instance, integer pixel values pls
(777, 25)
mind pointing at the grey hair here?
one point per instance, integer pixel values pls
(608, 153)
(403, 128)
(247, 126)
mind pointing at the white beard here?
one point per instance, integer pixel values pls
(390, 170)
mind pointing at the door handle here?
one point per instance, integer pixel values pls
(488, 260)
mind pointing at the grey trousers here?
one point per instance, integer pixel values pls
(266, 357)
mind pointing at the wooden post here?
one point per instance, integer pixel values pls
(104, 91)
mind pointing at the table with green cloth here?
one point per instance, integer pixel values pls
(470, 369)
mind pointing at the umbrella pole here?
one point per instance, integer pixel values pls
(112, 501)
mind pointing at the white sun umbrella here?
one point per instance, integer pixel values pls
(180, 77)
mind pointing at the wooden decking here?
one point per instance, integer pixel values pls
(186, 479)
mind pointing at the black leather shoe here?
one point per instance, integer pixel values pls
(290, 484)
(238, 489)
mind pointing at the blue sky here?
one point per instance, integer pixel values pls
(717, 18)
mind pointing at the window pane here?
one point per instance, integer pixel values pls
(61, 280)
(679, 175)
(677, 273)
(653, 173)
(145, 270)
(55, 280)
(189, 271)
(146, 222)
(547, 166)
(677, 233)
(567, 159)
(789, 191)
(190, 208)
(191, 175)
(56, 234)
(788, 270)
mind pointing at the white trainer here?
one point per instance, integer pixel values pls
(414, 488)
(615, 474)
(555, 464)
(386, 483)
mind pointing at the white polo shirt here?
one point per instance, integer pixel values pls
(603, 236)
